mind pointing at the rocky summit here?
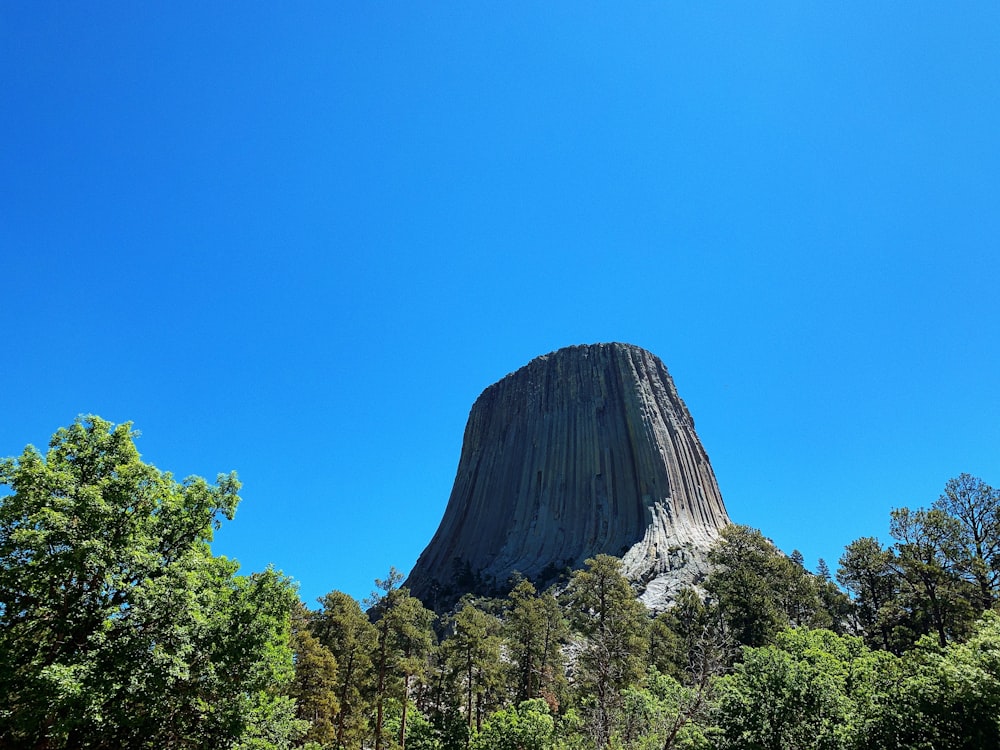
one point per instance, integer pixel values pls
(583, 451)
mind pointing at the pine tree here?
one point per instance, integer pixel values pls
(605, 610)
(535, 630)
(342, 627)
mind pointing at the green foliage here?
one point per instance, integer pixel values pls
(314, 687)
(342, 628)
(420, 733)
(659, 714)
(529, 726)
(535, 630)
(929, 559)
(790, 695)
(118, 628)
(975, 506)
(945, 699)
(472, 656)
(614, 624)
(759, 590)
(868, 572)
(682, 636)
(404, 641)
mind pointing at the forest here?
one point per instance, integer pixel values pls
(119, 628)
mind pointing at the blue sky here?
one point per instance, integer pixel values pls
(297, 240)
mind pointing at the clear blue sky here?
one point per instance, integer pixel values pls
(298, 239)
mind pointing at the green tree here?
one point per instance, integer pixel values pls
(535, 629)
(404, 642)
(975, 506)
(314, 687)
(796, 693)
(929, 558)
(118, 627)
(687, 636)
(867, 571)
(473, 655)
(343, 628)
(661, 714)
(946, 699)
(615, 625)
(758, 589)
(529, 726)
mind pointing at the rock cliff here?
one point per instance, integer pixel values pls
(583, 451)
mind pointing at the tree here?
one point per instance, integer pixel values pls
(343, 628)
(794, 694)
(404, 640)
(529, 726)
(758, 589)
(868, 573)
(314, 687)
(473, 655)
(535, 631)
(687, 636)
(692, 641)
(947, 699)
(661, 713)
(118, 627)
(928, 559)
(976, 507)
(615, 625)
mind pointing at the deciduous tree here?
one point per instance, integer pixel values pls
(118, 627)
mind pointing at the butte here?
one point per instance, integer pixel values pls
(583, 451)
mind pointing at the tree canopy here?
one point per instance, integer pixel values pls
(118, 627)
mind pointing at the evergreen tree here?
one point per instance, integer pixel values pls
(868, 572)
(535, 629)
(675, 632)
(760, 591)
(343, 628)
(928, 560)
(404, 642)
(975, 506)
(314, 687)
(605, 610)
(472, 654)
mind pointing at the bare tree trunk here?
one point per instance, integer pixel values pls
(402, 721)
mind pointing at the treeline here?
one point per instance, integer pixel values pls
(119, 628)
(767, 655)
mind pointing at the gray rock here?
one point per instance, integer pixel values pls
(583, 451)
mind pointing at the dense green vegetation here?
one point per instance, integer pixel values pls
(119, 628)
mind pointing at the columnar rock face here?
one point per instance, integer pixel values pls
(583, 451)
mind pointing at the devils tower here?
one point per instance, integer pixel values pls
(583, 451)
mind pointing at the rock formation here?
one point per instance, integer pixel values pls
(583, 451)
